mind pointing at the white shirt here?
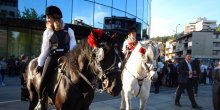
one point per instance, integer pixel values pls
(190, 68)
(45, 44)
(125, 46)
(203, 68)
(160, 66)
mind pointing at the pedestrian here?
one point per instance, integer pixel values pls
(210, 73)
(57, 41)
(216, 88)
(158, 82)
(3, 67)
(203, 75)
(185, 82)
(23, 76)
(23, 68)
(195, 76)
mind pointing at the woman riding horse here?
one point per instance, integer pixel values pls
(71, 88)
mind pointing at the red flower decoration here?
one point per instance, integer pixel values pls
(142, 50)
(92, 41)
(132, 45)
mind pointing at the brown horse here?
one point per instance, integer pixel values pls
(72, 87)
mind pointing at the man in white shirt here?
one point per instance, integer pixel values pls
(56, 42)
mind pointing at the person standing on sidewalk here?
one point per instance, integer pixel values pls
(185, 82)
(195, 76)
(3, 66)
(216, 88)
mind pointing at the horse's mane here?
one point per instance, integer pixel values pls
(71, 61)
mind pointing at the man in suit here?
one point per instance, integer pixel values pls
(216, 88)
(185, 82)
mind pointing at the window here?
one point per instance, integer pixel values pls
(131, 7)
(105, 2)
(119, 4)
(215, 52)
(3, 11)
(140, 9)
(118, 13)
(83, 10)
(100, 13)
(11, 13)
(3, 42)
(19, 40)
(216, 44)
(146, 9)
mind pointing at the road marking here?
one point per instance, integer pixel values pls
(10, 101)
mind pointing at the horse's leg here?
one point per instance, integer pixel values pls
(33, 99)
(144, 94)
(88, 99)
(127, 98)
(45, 99)
(122, 107)
(143, 101)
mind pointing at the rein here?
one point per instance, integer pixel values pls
(140, 81)
(115, 59)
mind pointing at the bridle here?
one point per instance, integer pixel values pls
(113, 67)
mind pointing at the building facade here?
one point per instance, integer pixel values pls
(202, 24)
(169, 50)
(204, 45)
(9, 8)
(20, 36)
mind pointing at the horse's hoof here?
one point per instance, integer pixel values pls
(122, 108)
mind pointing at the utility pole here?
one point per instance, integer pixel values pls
(176, 28)
(149, 21)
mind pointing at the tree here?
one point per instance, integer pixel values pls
(163, 38)
(29, 13)
(218, 28)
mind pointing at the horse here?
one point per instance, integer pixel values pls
(138, 73)
(78, 73)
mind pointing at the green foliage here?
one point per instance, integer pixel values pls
(218, 28)
(163, 39)
(29, 13)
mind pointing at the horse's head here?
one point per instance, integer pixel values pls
(150, 53)
(105, 59)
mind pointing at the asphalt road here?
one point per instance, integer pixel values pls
(10, 95)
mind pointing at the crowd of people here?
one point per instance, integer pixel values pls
(168, 74)
(12, 67)
(187, 75)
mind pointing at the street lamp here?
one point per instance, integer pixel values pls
(176, 28)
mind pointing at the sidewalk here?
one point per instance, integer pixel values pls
(163, 101)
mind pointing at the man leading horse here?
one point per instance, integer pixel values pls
(56, 42)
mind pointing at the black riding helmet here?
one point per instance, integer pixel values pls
(52, 10)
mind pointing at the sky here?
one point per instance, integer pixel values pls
(167, 14)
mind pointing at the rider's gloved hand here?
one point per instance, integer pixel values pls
(39, 69)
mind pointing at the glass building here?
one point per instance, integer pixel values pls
(23, 36)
